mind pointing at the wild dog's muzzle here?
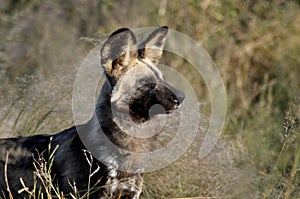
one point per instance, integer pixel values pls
(168, 97)
(156, 98)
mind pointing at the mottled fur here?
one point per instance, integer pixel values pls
(133, 85)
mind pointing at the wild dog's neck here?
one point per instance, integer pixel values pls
(103, 111)
(104, 122)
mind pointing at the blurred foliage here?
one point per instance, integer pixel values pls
(255, 44)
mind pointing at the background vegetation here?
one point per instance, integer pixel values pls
(255, 43)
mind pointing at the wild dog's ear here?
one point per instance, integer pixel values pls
(152, 47)
(118, 52)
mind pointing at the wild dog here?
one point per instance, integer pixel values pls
(134, 84)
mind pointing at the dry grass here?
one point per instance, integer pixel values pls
(44, 184)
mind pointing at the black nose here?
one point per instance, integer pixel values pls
(176, 95)
(180, 96)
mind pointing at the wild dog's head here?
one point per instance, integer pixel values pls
(132, 72)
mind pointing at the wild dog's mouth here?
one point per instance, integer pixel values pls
(177, 106)
(152, 99)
